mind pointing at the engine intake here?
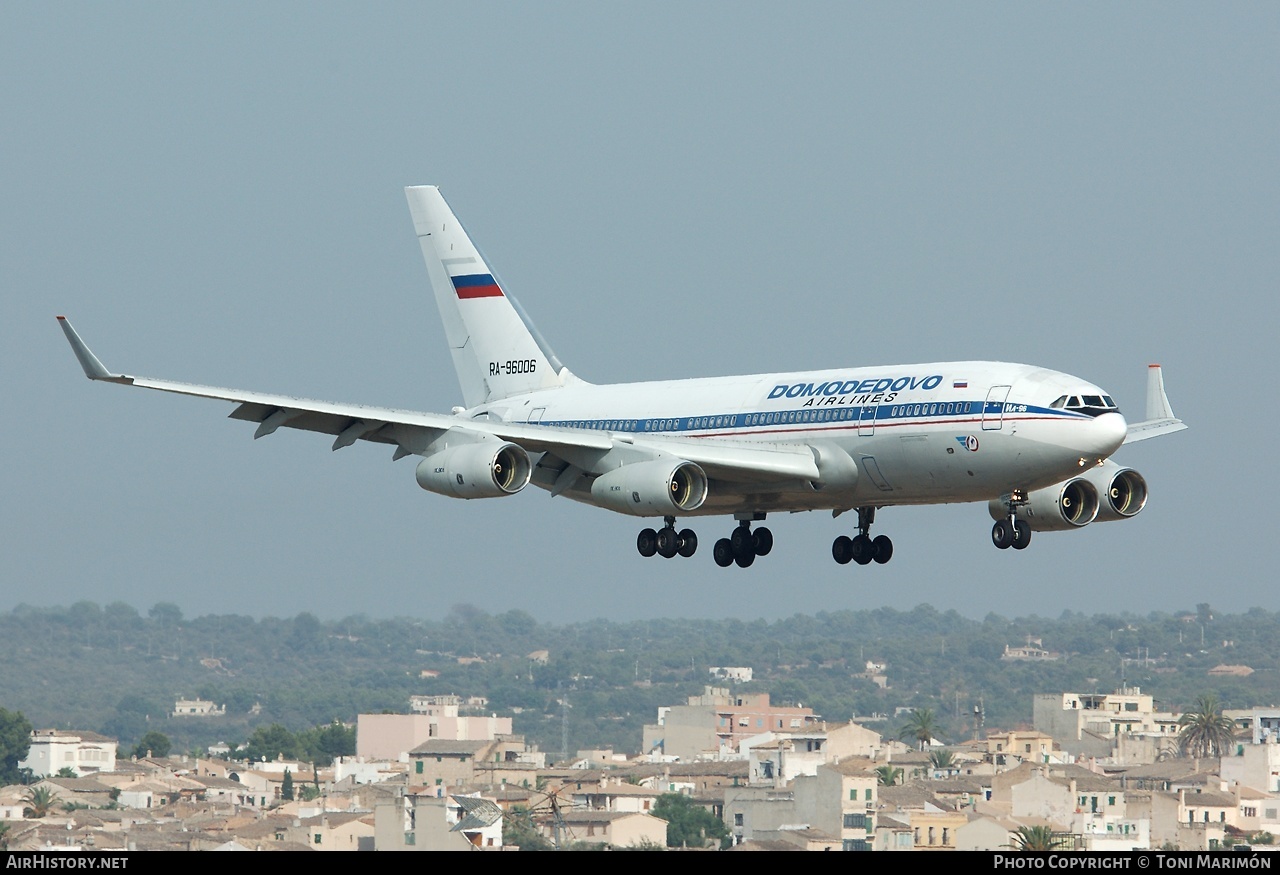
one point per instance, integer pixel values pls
(1061, 507)
(1123, 491)
(659, 488)
(479, 470)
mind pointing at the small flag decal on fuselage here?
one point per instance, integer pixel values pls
(960, 384)
(478, 285)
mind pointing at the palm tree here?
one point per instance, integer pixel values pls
(1206, 731)
(920, 727)
(39, 801)
(1037, 838)
(887, 776)
(942, 760)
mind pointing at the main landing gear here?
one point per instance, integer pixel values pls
(743, 546)
(1011, 531)
(863, 549)
(666, 541)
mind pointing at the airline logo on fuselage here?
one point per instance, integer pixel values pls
(876, 390)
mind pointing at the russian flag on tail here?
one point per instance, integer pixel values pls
(478, 285)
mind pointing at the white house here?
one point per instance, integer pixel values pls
(81, 751)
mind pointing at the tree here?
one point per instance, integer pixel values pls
(38, 802)
(887, 776)
(688, 823)
(1037, 838)
(921, 727)
(942, 759)
(519, 830)
(307, 634)
(153, 744)
(15, 741)
(324, 744)
(286, 786)
(270, 743)
(165, 613)
(1206, 731)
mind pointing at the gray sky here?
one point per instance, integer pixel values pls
(213, 193)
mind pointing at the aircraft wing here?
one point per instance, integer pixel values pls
(413, 432)
(1160, 419)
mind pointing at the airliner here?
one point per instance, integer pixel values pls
(1034, 444)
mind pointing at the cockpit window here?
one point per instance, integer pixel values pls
(1092, 405)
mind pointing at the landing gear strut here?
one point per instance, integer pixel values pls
(1011, 531)
(666, 541)
(744, 545)
(863, 549)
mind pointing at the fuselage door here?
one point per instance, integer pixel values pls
(993, 409)
(867, 421)
(535, 415)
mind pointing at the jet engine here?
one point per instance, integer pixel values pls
(1061, 507)
(475, 470)
(1123, 491)
(663, 487)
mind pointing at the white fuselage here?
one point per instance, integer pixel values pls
(919, 434)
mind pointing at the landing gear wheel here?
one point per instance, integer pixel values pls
(688, 543)
(1021, 535)
(723, 552)
(1002, 535)
(647, 542)
(842, 549)
(864, 550)
(668, 542)
(741, 541)
(744, 560)
(884, 549)
(762, 541)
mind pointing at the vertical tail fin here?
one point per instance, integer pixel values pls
(496, 350)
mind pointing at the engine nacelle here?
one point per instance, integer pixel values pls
(1123, 491)
(663, 487)
(1061, 507)
(486, 469)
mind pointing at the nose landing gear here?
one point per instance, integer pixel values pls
(1011, 531)
(863, 549)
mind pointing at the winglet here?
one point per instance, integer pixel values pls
(1157, 401)
(1160, 419)
(94, 369)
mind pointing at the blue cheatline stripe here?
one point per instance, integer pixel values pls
(937, 413)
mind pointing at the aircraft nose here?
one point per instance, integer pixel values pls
(1105, 434)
